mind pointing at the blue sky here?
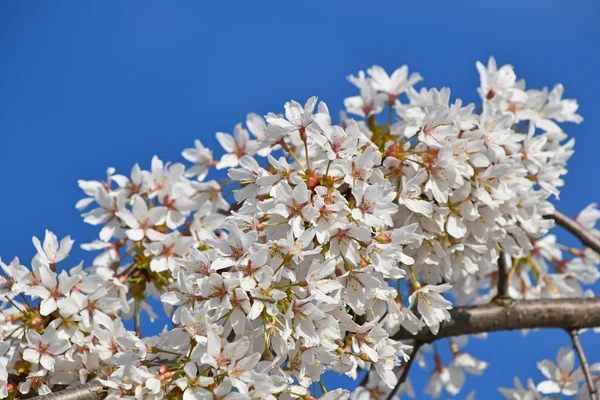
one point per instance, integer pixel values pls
(86, 85)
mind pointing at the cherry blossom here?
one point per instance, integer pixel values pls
(52, 251)
(322, 245)
(201, 157)
(562, 377)
(42, 348)
(142, 220)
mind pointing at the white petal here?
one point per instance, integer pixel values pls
(226, 141)
(47, 306)
(31, 355)
(566, 359)
(47, 362)
(456, 226)
(135, 234)
(548, 369)
(548, 387)
(419, 206)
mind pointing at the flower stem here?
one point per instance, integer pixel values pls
(323, 389)
(413, 278)
(137, 311)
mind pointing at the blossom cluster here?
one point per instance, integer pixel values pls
(304, 248)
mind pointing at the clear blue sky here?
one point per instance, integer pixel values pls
(89, 84)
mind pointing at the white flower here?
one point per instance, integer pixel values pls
(192, 384)
(394, 85)
(142, 221)
(237, 146)
(35, 380)
(462, 361)
(500, 82)
(220, 357)
(234, 249)
(97, 307)
(15, 280)
(296, 117)
(562, 378)
(252, 177)
(294, 205)
(319, 280)
(162, 176)
(410, 195)
(165, 252)
(370, 102)
(359, 169)
(201, 157)
(588, 217)
(264, 133)
(179, 203)
(339, 143)
(42, 348)
(374, 205)
(110, 203)
(52, 293)
(52, 252)
(438, 379)
(432, 306)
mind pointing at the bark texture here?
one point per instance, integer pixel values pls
(508, 315)
(584, 235)
(87, 391)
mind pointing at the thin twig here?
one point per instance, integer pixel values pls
(584, 364)
(583, 234)
(14, 304)
(263, 298)
(137, 316)
(26, 301)
(503, 282)
(404, 375)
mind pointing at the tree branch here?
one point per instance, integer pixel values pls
(87, 391)
(583, 234)
(405, 371)
(584, 364)
(565, 314)
(503, 282)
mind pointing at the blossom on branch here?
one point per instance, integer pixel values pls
(322, 244)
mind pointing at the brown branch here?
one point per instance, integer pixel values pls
(87, 391)
(503, 282)
(405, 371)
(584, 364)
(518, 314)
(583, 234)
